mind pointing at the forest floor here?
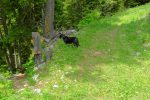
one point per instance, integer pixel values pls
(111, 63)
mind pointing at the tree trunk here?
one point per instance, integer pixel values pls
(49, 18)
(10, 61)
(43, 19)
(49, 25)
(15, 56)
(9, 51)
(19, 55)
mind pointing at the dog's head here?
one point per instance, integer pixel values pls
(61, 35)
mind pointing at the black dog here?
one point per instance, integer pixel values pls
(69, 40)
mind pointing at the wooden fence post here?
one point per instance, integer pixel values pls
(37, 47)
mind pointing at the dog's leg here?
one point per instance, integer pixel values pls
(74, 44)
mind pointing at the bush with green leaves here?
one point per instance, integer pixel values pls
(133, 3)
(109, 7)
(89, 18)
(30, 70)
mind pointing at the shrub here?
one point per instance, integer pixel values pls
(109, 7)
(30, 70)
(88, 19)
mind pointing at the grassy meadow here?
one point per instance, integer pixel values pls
(112, 63)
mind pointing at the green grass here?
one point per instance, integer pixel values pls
(112, 62)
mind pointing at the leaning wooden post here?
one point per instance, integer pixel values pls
(37, 47)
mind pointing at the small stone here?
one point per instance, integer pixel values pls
(35, 77)
(35, 68)
(37, 91)
(25, 85)
(55, 86)
(75, 80)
